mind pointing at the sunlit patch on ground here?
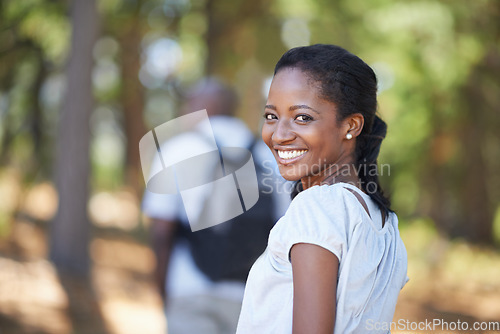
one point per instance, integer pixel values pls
(35, 300)
(30, 293)
(40, 202)
(119, 298)
(122, 277)
(119, 210)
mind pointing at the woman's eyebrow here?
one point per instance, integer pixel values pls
(292, 108)
(302, 106)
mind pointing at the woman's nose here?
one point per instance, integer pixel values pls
(283, 132)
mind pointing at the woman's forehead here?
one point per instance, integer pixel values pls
(294, 79)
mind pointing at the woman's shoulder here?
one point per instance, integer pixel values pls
(318, 215)
(320, 193)
(336, 205)
(320, 208)
(335, 198)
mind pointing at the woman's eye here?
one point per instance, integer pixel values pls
(269, 116)
(303, 118)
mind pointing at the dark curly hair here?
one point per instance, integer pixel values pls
(351, 84)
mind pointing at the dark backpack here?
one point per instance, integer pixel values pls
(228, 250)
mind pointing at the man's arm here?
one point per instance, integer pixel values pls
(162, 234)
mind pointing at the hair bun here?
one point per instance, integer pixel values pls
(379, 128)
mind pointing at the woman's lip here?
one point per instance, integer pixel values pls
(289, 161)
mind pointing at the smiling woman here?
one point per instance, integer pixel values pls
(298, 120)
(335, 260)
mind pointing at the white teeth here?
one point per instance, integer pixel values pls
(290, 154)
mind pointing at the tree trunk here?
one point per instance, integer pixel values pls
(69, 233)
(227, 38)
(132, 101)
(481, 100)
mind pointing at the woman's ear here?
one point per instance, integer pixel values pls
(354, 124)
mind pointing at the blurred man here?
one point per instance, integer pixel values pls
(201, 301)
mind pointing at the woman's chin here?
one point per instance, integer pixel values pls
(289, 175)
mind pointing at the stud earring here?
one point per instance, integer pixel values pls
(348, 136)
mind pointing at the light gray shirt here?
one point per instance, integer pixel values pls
(372, 262)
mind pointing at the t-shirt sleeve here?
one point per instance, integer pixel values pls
(162, 206)
(167, 206)
(317, 216)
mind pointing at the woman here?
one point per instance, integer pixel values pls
(335, 262)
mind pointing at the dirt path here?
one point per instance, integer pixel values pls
(121, 298)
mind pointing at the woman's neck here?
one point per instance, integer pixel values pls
(335, 173)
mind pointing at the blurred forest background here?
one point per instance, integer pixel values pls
(82, 81)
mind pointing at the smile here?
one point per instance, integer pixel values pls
(288, 155)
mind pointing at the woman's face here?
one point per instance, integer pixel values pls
(302, 130)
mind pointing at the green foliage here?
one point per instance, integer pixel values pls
(49, 30)
(42, 23)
